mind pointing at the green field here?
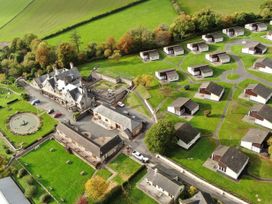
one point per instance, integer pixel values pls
(149, 14)
(221, 7)
(65, 179)
(48, 124)
(9, 9)
(44, 17)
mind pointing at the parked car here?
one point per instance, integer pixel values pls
(51, 110)
(121, 104)
(35, 102)
(140, 157)
(57, 115)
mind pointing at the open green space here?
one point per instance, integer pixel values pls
(193, 160)
(6, 96)
(221, 7)
(233, 76)
(132, 194)
(49, 166)
(104, 173)
(44, 17)
(149, 14)
(9, 9)
(48, 123)
(125, 168)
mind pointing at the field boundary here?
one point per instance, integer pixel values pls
(9, 21)
(98, 17)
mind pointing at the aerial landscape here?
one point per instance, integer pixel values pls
(135, 102)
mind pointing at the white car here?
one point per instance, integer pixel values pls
(120, 104)
(140, 157)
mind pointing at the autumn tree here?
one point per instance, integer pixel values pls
(125, 44)
(42, 54)
(96, 187)
(182, 26)
(66, 53)
(162, 35)
(144, 80)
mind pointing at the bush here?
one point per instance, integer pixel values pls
(29, 179)
(21, 173)
(30, 191)
(187, 87)
(45, 198)
(8, 151)
(25, 96)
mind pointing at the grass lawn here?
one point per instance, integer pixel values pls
(143, 92)
(48, 123)
(233, 76)
(147, 14)
(124, 166)
(47, 18)
(132, 194)
(65, 179)
(6, 95)
(222, 7)
(104, 173)
(194, 158)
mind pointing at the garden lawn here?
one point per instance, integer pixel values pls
(9, 9)
(47, 123)
(132, 194)
(125, 168)
(65, 179)
(104, 173)
(45, 17)
(148, 14)
(193, 159)
(221, 7)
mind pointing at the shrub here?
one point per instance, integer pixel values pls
(21, 173)
(29, 179)
(8, 151)
(187, 87)
(207, 113)
(30, 191)
(45, 198)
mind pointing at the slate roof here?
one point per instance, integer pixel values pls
(257, 136)
(234, 159)
(220, 150)
(186, 102)
(215, 35)
(203, 68)
(165, 180)
(261, 90)
(98, 149)
(199, 198)
(166, 70)
(213, 88)
(10, 193)
(117, 116)
(185, 132)
(264, 111)
(176, 48)
(265, 61)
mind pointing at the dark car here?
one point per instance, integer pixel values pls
(57, 115)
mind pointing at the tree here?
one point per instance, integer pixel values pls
(76, 39)
(162, 36)
(42, 54)
(116, 55)
(206, 20)
(96, 187)
(160, 137)
(2, 77)
(266, 9)
(91, 50)
(30, 191)
(66, 53)
(192, 191)
(182, 26)
(144, 80)
(45, 198)
(125, 44)
(187, 87)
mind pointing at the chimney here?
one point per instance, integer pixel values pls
(71, 65)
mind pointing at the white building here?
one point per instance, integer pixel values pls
(169, 75)
(211, 91)
(183, 106)
(234, 31)
(230, 161)
(263, 65)
(256, 27)
(198, 47)
(258, 93)
(201, 71)
(255, 140)
(65, 87)
(213, 37)
(218, 57)
(186, 135)
(150, 55)
(269, 35)
(174, 50)
(254, 48)
(262, 115)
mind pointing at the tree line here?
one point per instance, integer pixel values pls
(30, 56)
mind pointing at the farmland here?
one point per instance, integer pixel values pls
(43, 17)
(149, 15)
(223, 7)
